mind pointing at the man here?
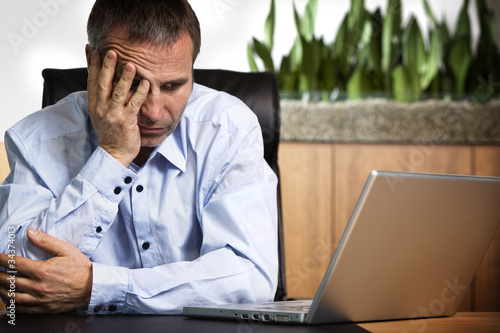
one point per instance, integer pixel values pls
(146, 194)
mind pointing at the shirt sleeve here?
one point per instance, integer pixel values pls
(85, 207)
(238, 260)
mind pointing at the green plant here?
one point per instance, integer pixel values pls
(264, 49)
(376, 53)
(484, 76)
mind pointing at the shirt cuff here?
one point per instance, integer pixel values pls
(109, 289)
(108, 175)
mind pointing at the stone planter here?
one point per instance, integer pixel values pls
(378, 120)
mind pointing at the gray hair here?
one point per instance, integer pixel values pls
(158, 22)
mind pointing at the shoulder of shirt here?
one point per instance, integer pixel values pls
(67, 116)
(218, 107)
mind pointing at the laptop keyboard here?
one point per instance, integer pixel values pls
(294, 308)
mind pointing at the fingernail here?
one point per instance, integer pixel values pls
(32, 232)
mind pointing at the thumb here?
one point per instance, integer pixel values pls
(49, 243)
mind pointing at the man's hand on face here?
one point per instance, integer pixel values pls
(114, 110)
(60, 284)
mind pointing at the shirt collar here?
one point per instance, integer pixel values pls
(172, 148)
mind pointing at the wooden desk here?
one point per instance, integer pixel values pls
(466, 322)
(462, 322)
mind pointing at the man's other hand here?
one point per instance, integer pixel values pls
(60, 284)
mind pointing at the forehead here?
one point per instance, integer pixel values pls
(148, 56)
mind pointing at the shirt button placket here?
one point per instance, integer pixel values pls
(141, 222)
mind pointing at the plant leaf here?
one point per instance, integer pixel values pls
(487, 49)
(390, 31)
(296, 54)
(251, 60)
(356, 16)
(286, 78)
(296, 17)
(434, 59)
(401, 84)
(358, 83)
(269, 27)
(265, 54)
(343, 52)
(460, 58)
(430, 14)
(462, 29)
(310, 63)
(375, 61)
(309, 19)
(414, 57)
(327, 79)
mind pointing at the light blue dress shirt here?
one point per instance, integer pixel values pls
(197, 224)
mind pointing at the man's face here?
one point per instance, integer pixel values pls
(170, 74)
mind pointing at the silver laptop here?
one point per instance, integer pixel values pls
(410, 250)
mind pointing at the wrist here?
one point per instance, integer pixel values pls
(124, 158)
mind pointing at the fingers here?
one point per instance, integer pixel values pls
(94, 69)
(26, 303)
(104, 84)
(13, 285)
(17, 265)
(100, 83)
(139, 97)
(122, 89)
(7, 285)
(49, 244)
(46, 242)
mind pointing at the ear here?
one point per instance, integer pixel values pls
(88, 54)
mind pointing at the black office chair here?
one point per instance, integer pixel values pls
(258, 90)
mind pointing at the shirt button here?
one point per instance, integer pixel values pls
(145, 245)
(112, 308)
(97, 308)
(128, 180)
(140, 188)
(118, 190)
(98, 229)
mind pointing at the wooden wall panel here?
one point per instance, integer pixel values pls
(353, 164)
(4, 171)
(307, 197)
(4, 165)
(487, 281)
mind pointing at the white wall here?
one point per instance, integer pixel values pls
(37, 34)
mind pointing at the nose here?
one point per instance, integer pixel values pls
(152, 107)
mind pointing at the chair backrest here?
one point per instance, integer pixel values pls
(258, 90)
(4, 164)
